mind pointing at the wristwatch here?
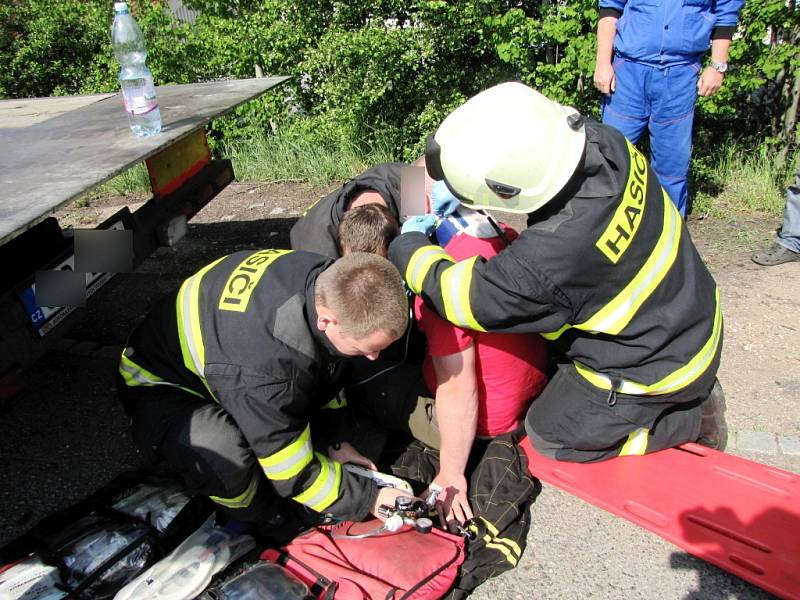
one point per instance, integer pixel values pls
(719, 66)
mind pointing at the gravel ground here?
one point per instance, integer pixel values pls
(67, 436)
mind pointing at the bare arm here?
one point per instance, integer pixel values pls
(457, 415)
(710, 79)
(604, 79)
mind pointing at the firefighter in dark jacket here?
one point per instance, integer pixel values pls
(606, 271)
(223, 376)
(315, 231)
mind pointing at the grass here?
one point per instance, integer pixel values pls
(265, 159)
(276, 158)
(739, 180)
(131, 182)
(744, 180)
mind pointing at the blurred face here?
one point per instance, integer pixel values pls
(369, 346)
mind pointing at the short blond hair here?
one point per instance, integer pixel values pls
(366, 293)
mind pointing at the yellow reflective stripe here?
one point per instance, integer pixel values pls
(421, 262)
(490, 526)
(700, 362)
(554, 335)
(636, 443)
(244, 499)
(189, 331)
(624, 224)
(493, 530)
(511, 544)
(338, 401)
(135, 375)
(242, 281)
(456, 281)
(678, 379)
(309, 207)
(614, 316)
(289, 461)
(503, 544)
(325, 489)
(502, 549)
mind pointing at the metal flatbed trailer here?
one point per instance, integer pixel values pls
(54, 150)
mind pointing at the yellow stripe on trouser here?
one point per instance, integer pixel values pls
(507, 547)
(189, 330)
(325, 489)
(675, 381)
(244, 499)
(616, 314)
(420, 263)
(456, 281)
(135, 375)
(289, 461)
(636, 443)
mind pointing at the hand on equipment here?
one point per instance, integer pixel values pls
(387, 496)
(421, 223)
(450, 500)
(443, 202)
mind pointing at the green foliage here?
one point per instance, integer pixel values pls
(45, 48)
(755, 102)
(383, 74)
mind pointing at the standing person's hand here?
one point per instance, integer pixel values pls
(452, 503)
(605, 79)
(346, 453)
(710, 81)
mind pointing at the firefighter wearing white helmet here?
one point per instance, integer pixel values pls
(606, 271)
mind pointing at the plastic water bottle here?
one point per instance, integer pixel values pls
(138, 90)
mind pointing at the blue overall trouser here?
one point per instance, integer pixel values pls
(663, 99)
(789, 235)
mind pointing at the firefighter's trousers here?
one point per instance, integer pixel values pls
(574, 421)
(199, 442)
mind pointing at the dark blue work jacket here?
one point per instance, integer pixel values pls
(669, 32)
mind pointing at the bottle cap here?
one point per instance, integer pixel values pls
(120, 6)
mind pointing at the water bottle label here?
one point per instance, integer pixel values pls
(139, 96)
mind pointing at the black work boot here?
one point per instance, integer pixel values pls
(713, 427)
(777, 254)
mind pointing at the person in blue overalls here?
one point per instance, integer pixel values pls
(649, 70)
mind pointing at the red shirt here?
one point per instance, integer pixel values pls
(511, 368)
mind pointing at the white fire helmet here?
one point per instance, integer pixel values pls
(508, 148)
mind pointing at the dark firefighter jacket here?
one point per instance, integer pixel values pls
(316, 230)
(606, 270)
(242, 332)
